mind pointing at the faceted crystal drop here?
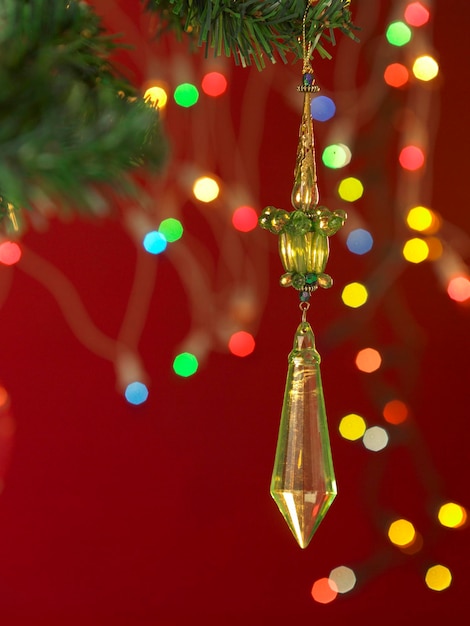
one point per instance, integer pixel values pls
(303, 481)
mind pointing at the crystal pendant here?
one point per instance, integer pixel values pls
(303, 481)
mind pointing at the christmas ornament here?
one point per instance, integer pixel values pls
(303, 480)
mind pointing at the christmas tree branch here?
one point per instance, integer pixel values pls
(68, 121)
(253, 30)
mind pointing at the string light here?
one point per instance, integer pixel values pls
(343, 578)
(416, 14)
(157, 95)
(154, 242)
(401, 533)
(396, 75)
(186, 95)
(352, 427)
(245, 219)
(359, 241)
(136, 393)
(425, 68)
(185, 364)
(368, 360)
(241, 343)
(411, 158)
(458, 288)
(438, 578)
(398, 34)
(206, 189)
(375, 439)
(336, 156)
(395, 412)
(10, 253)
(324, 591)
(350, 189)
(452, 515)
(415, 250)
(354, 295)
(420, 218)
(322, 108)
(214, 84)
(171, 229)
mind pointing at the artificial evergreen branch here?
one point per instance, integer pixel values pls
(253, 30)
(67, 120)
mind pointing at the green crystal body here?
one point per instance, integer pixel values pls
(303, 481)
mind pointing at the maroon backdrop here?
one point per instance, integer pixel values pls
(161, 514)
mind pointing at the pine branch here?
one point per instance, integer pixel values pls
(254, 30)
(68, 121)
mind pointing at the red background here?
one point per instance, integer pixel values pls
(161, 514)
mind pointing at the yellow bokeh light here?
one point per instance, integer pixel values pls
(206, 189)
(401, 533)
(368, 360)
(157, 96)
(436, 249)
(350, 189)
(352, 427)
(420, 218)
(425, 68)
(354, 295)
(438, 577)
(452, 515)
(416, 250)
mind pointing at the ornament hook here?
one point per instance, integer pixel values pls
(304, 307)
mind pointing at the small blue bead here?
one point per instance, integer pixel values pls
(308, 78)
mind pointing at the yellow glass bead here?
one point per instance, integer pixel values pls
(303, 253)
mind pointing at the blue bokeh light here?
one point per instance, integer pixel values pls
(136, 393)
(154, 242)
(322, 108)
(359, 241)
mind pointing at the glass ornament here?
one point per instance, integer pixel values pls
(303, 481)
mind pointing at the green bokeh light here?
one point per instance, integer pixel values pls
(186, 95)
(171, 229)
(185, 364)
(398, 34)
(336, 155)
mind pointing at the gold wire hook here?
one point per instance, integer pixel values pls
(304, 307)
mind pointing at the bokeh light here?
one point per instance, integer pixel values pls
(324, 591)
(368, 360)
(416, 14)
(350, 189)
(214, 84)
(458, 288)
(171, 229)
(10, 253)
(359, 241)
(375, 439)
(136, 393)
(396, 75)
(322, 108)
(241, 343)
(425, 68)
(415, 250)
(411, 158)
(186, 95)
(420, 218)
(336, 156)
(154, 242)
(401, 532)
(395, 412)
(206, 189)
(244, 219)
(452, 515)
(438, 577)
(157, 96)
(185, 364)
(352, 427)
(344, 578)
(436, 249)
(354, 295)
(398, 34)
